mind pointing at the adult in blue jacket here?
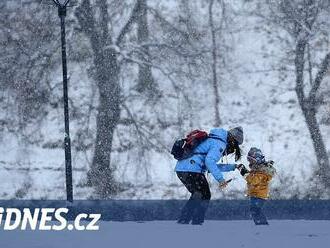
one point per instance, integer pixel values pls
(205, 158)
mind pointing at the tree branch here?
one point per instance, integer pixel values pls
(104, 21)
(163, 20)
(176, 49)
(299, 64)
(142, 132)
(132, 19)
(319, 77)
(84, 14)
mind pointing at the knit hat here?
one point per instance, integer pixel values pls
(255, 155)
(237, 134)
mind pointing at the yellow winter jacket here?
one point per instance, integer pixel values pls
(258, 184)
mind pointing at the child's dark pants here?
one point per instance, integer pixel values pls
(256, 205)
(198, 202)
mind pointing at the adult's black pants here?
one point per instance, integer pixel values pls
(195, 208)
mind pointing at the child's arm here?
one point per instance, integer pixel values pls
(270, 168)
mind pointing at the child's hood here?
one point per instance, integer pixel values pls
(266, 167)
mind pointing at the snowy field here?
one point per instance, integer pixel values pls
(168, 234)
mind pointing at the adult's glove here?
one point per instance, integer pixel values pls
(223, 184)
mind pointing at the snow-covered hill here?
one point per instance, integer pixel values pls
(253, 95)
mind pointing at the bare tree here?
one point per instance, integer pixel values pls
(145, 78)
(214, 65)
(107, 69)
(111, 52)
(306, 21)
(27, 56)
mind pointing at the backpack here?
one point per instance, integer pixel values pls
(184, 148)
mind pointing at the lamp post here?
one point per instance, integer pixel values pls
(61, 5)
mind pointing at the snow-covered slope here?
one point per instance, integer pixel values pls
(253, 95)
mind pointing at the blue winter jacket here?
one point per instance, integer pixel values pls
(213, 148)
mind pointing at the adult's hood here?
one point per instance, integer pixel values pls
(220, 133)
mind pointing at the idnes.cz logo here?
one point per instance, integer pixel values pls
(46, 219)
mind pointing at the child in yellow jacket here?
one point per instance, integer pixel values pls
(258, 179)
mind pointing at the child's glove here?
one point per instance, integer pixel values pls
(239, 166)
(242, 169)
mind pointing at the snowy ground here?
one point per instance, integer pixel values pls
(283, 233)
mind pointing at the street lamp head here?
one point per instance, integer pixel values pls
(61, 3)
